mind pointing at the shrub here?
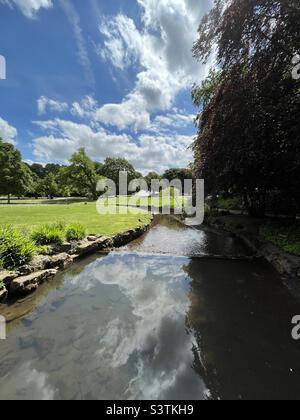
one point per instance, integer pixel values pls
(230, 203)
(75, 232)
(43, 249)
(61, 225)
(16, 249)
(48, 235)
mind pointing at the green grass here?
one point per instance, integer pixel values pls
(229, 203)
(284, 236)
(22, 201)
(156, 202)
(33, 216)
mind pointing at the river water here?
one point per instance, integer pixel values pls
(153, 321)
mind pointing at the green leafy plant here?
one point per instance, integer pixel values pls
(2, 285)
(43, 249)
(60, 225)
(16, 249)
(51, 234)
(230, 203)
(75, 232)
(284, 236)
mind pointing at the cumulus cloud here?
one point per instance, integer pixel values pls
(86, 108)
(171, 121)
(29, 381)
(158, 49)
(148, 152)
(29, 8)
(7, 132)
(162, 49)
(44, 104)
(150, 342)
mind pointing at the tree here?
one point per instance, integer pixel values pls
(81, 174)
(37, 169)
(181, 174)
(98, 167)
(15, 176)
(250, 115)
(52, 168)
(113, 166)
(48, 186)
(150, 176)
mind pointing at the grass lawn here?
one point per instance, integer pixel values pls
(157, 202)
(30, 216)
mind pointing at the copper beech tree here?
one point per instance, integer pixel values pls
(249, 120)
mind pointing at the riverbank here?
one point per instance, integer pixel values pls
(250, 232)
(28, 278)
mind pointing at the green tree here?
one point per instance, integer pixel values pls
(48, 186)
(38, 170)
(150, 176)
(81, 175)
(181, 174)
(113, 166)
(52, 168)
(15, 176)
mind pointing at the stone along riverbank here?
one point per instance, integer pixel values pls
(42, 268)
(247, 230)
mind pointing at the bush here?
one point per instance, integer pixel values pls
(230, 203)
(48, 235)
(61, 225)
(16, 249)
(75, 232)
(43, 249)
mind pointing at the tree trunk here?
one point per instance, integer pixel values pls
(257, 204)
(8, 199)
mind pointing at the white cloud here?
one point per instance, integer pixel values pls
(149, 152)
(170, 122)
(131, 112)
(162, 49)
(152, 333)
(7, 132)
(30, 382)
(86, 108)
(44, 104)
(122, 41)
(29, 8)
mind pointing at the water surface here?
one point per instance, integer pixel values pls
(132, 325)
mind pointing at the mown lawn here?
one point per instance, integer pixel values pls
(156, 202)
(28, 217)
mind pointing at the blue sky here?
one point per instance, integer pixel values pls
(111, 76)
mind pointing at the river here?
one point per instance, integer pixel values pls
(155, 320)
